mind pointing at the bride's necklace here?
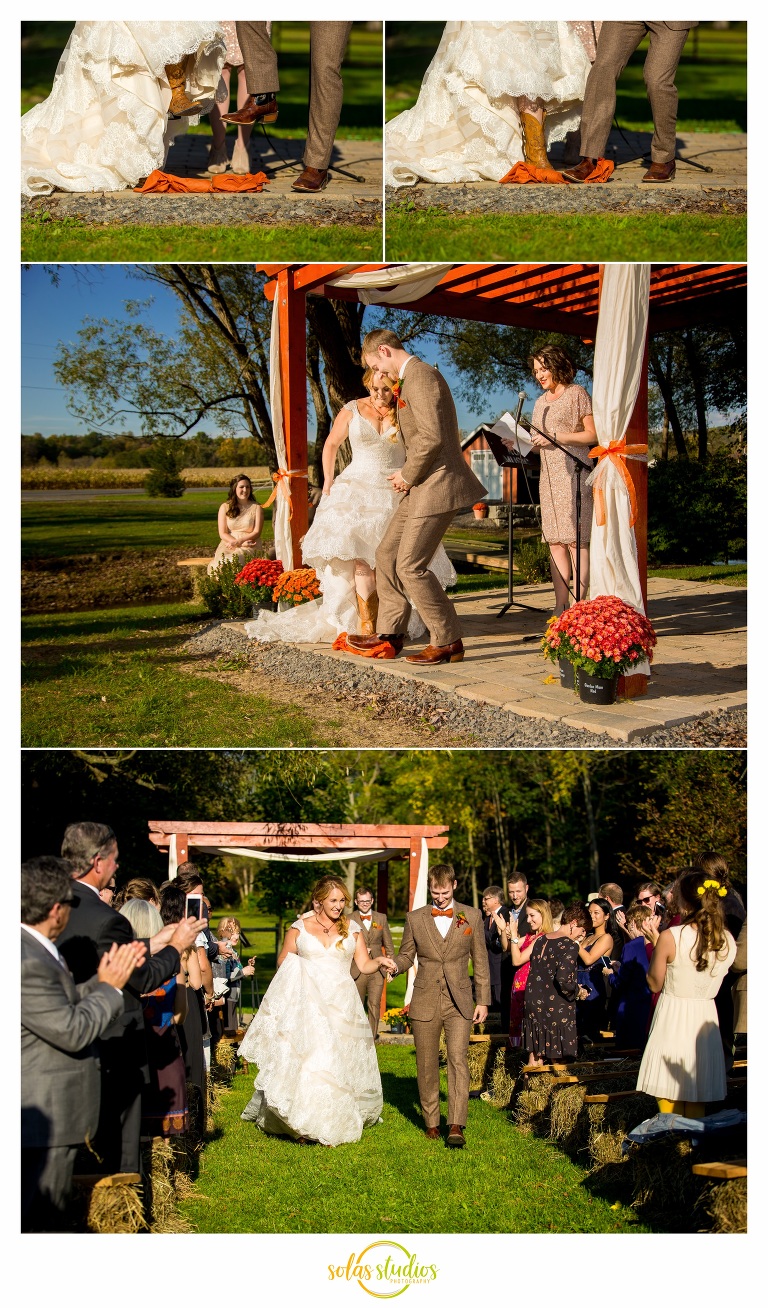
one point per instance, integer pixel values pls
(326, 929)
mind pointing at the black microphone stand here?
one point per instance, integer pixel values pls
(511, 601)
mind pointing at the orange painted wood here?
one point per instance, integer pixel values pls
(307, 843)
(297, 828)
(414, 855)
(293, 372)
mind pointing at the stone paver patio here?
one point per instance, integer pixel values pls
(700, 662)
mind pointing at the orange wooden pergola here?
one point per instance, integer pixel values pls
(544, 296)
(329, 838)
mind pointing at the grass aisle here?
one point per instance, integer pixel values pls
(69, 240)
(433, 234)
(503, 1180)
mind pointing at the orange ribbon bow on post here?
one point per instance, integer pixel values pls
(282, 480)
(617, 452)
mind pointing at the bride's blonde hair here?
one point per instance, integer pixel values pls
(368, 377)
(320, 893)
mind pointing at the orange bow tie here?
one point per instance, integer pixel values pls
(439, 912)
(365, 917)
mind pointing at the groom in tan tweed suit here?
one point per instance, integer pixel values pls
(444, 936)
(435, 481)
(378, 941)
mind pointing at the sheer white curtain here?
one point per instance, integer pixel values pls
(619, 354)
(419, 900)
(281, 516)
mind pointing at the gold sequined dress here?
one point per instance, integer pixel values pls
(557, 485)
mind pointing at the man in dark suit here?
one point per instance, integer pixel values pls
(499, 960)
(616, 44)
(92, 928)
(59, 1023)
(378, 941)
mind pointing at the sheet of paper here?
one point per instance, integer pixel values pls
(514, 436)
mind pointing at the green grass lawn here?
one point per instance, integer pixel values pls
(42, 44)
(61, 529)
(711, 78)
(111, 678)
(46, 239)
(504, 1181)
(433, 234)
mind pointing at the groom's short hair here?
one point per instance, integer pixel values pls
(379, 337)
(442, 874)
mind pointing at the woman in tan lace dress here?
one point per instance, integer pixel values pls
(240, 521)
(564, 412)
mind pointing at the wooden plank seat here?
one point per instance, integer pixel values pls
(586, 1065)
(721, 1171)
(610, 1098)
(193, 563)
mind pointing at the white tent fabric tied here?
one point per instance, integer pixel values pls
(331, 856)
(281, 516)
(619, 356)
(394, 285)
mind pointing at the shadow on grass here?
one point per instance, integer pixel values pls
(402, 1094)
(37, 629)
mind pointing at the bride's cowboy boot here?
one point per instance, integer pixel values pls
(369, 612)
(181, 106)
(534, 147)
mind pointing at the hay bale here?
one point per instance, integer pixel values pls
(225, 1056)
(532, 1102)
(610, 1123)
(160, 1162)
(565, 1115)
(662, 1176)
(726, 1204)
(479, 1057)
(116, 1209)
(504, 1076)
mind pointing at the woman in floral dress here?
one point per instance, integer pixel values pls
(549, 1024)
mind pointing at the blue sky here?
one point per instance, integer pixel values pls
(52, 313)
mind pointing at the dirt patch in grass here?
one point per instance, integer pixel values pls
(84, 581)
(374, 720)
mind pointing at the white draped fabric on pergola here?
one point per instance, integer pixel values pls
(619, 359)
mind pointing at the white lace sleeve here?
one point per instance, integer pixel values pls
(354, 928)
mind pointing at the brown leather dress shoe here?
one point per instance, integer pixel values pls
(455, 1138)
(252, 112)
(660, 172)
(432, 1133)
(581, 172)
(312, 179)
(453, 653)
(365, 644)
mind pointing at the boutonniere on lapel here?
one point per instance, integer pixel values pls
(375, 926)
(396, 389)
(461, 921)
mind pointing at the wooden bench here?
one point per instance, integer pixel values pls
(193, 563)
(610, 1098)
(721, 1171)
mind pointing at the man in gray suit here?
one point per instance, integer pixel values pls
(435, 481)
(616, 44)
(327, 43)
(59, 1022)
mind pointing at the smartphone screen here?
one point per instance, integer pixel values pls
(193, 906)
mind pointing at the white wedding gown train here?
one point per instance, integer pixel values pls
(318, 1073)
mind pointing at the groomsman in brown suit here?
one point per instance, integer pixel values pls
(435, 481)
(616, 44)
(444, 936)
(327, 43)
(378, 941)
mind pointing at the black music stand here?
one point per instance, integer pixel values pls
(511, 458)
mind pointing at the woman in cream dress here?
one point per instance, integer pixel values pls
(240, 521)
(118, 97)
(495, 94)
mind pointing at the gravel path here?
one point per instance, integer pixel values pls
(451, 719)
(480, 198)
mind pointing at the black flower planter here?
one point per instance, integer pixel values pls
(264, 606)
(596, 690)
(567, 674)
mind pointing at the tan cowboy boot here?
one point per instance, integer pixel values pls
(180, 105)
(534, 148)
(369, 612)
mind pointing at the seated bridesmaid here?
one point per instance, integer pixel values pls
(240, 522)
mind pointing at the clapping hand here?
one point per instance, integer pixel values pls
(119, 962)
(501, 923)
(650, 930)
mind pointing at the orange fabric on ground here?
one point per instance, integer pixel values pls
(381, 651)
(166, 183)
(525, 172)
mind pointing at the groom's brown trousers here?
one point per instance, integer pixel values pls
(327, 43)
(616, 44)
(403, 576)
(458, 1029)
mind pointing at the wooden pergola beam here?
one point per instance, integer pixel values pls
(314, 829)
(306, 843)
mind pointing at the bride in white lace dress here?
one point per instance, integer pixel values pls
(350, 521)
(118, 97)
(318, 1076)
(495, 94)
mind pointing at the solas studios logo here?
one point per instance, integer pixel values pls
(384, 1269)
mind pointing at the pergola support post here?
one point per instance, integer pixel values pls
(293, 379)
(636, 684)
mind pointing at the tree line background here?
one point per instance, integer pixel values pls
(565, 819)
(123, 372)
